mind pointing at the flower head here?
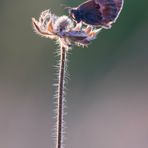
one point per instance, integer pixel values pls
(63, 30)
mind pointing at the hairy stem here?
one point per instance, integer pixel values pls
(60, 97)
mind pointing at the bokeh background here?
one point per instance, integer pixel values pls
(107, 94)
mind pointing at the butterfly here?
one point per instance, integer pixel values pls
(100, 13)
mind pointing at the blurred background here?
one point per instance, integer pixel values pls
(107, 94)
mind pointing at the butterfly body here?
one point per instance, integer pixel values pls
(97, 12)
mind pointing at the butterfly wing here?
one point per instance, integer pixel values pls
(90, 13)
(87, 5)
(100, 12)
(110, 9)
(119, 4)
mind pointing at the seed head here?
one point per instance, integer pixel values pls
(63, 30)
(63, 24)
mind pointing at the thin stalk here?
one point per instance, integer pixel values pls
(60, 97)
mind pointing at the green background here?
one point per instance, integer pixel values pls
(107, 94)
